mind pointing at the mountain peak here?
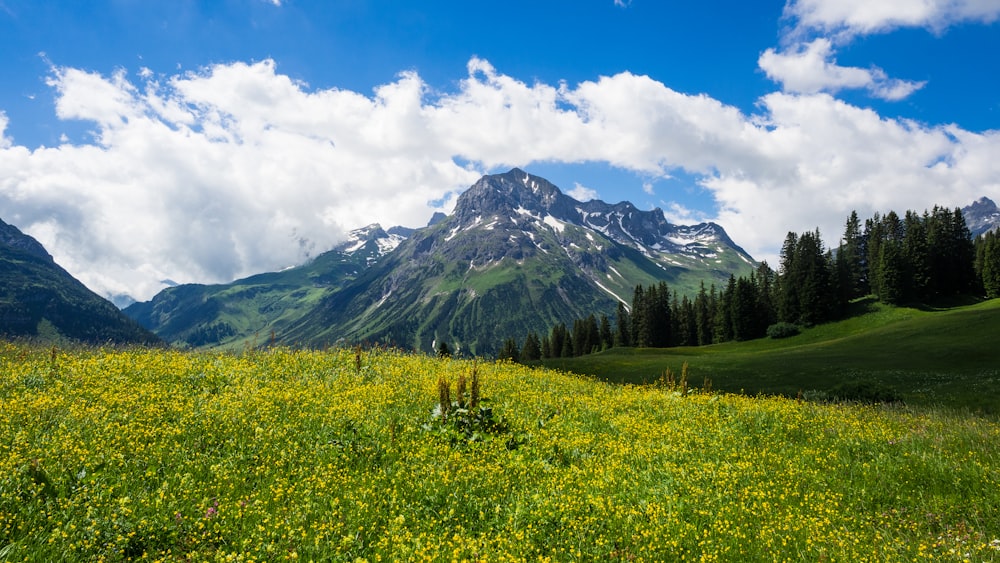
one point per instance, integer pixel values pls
(372, 240)
(503, 194)
(981, 216)
(12, 237)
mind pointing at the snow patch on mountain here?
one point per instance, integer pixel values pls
(556, 224)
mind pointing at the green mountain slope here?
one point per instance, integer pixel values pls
(40, 300)
(947, 356)
(246, 312)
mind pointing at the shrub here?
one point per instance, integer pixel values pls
(864, 392)
(782, 330)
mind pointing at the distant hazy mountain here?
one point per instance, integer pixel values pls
(516, 255)
(40, 300)
(982, 216)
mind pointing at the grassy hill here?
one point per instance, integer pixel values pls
(948, 356)
(336, 456)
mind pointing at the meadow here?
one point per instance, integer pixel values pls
(161, 455)
(946, 356)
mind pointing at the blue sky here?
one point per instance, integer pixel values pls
(204, 141)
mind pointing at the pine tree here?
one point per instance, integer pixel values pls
(623, 323)
(641, 333)
(789, 308)
(660, 311)
(532, 349)
(917, 258)
(558, 340)
(849, 258)
(767, 311)
(724, 312)
(567, 345)
(607, 340)
(987, 265)
(890, 273)
(873, 238)
(586, 336)
(744, 310)
(509, 351)
(688, 333)
(703, 316)
(965, 254)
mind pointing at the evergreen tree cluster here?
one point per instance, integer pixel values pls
(987, 265)
(588, 335)
(917, 258)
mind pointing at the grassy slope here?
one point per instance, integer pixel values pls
(275, 456)
(947, 356)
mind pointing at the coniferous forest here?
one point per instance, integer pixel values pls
(916, 258)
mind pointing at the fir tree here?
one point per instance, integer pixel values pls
(509, 351)
(987, 264)
(703, 316)
(607, 340)
(850, 259)
(623, 324)
(532, 349)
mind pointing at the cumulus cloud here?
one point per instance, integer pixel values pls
(681, 215)
(807, 62)
(238, 169)
(811, 67)
(847, 18)
(582, 193)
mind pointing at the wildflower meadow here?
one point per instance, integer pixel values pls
(351, 455)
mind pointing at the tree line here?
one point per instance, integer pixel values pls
(910, 259)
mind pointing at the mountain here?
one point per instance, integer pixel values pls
(40, 300)
(982, 216)
(517, 255)
(246, 311)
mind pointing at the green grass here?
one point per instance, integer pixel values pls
(947, 356)
(160, 455)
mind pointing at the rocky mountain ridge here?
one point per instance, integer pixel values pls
(981, 216)
(516, 255)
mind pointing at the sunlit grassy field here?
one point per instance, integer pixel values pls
(336, 456)
(948, 357)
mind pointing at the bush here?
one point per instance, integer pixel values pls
(864, 392)
(782, 330)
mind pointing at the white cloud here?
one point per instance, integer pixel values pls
(847, 18)
(648, 188)
(811, 68)
(4, 141)
(238, 169)
(807, 64)
(680, 215)
(582, 193)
